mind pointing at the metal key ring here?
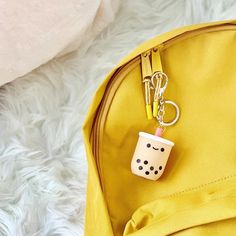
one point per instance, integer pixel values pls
(162, 123)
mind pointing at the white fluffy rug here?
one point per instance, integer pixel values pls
(42, 159)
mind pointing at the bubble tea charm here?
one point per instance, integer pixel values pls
(150, 156)
(152, 151)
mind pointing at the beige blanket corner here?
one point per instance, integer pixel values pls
(33, 32)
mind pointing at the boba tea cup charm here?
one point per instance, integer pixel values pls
(150, 156)
(152, 151)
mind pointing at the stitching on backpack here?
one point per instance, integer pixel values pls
(201, 186)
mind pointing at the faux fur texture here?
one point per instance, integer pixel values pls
(42, 159)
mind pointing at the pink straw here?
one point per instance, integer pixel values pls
(159, 132)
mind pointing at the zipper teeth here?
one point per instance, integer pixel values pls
(192, 33)
(95, 137)
(97, 131)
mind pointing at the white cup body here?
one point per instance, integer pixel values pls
(150, 156)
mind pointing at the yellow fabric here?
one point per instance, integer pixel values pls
(196, 195)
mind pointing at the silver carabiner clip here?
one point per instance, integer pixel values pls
(177, 112)
(159, 76)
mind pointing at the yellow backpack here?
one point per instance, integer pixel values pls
(196, 194)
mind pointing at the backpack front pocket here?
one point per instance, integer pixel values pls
(212, 202)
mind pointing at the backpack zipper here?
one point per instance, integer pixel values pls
(119, 75)
(147, 75)
(150, 65)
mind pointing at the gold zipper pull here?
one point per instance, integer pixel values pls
(156, 67)
(156, 59)
(147, 74)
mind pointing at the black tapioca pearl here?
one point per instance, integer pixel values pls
(140, 167)
(151, 168)
(147, 172)
(162, 149)
(160, 167)
(138, 160)
(145, 162)
(156, 172)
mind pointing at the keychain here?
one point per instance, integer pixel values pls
(152, 151)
